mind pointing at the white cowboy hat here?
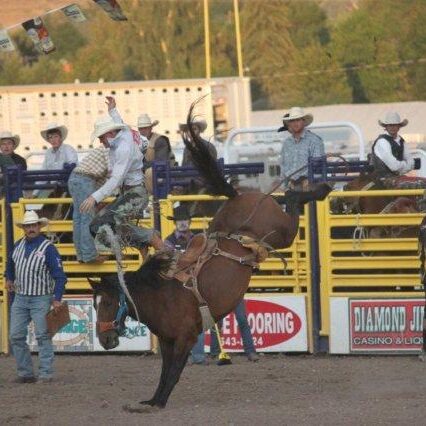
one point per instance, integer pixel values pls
(30, 217)
(144, 120)
(201, 124)
(8, 135)
(393, 117)
(54, 126)
(297, 112)
(104, 125)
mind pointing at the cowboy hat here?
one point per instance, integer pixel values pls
(201, 124)
(104, 125)
(392, 117)
(180, 213)
(30, 217)
(8, 135)
(54, 126)
(296, 113)
(144, 120)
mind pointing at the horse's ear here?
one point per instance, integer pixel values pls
(94, 284)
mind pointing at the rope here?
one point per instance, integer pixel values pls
(116, 249)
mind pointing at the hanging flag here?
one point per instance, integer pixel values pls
(38, 33)
(6, 43)
(74, 13)
(112, 8)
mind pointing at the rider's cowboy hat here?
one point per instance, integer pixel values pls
(54, 126)
(393, 117)
(31, 217)
(8, 135)
(104, 125)
(180, 213)
(201, 124)
(297, 112)
(144, 120)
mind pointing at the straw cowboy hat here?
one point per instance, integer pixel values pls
(30, 217)
(393, 118)
(296, 113)
(8, 135)
(144, 120)
(180, 213)
(54, 126)
(201, 124)
(104, 125)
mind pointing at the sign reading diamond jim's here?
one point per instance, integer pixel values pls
(386, 325)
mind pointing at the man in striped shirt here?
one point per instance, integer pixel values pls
(34, 272)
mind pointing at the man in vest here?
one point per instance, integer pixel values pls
(34, 272)
(390, 155)
(158, 149)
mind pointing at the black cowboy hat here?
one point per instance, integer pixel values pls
(180, 213)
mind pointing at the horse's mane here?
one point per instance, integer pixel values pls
(204, 162)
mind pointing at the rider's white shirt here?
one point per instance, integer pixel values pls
(126, 162)
(383, 150)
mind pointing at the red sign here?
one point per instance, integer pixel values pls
(386, 325)
(270, 323)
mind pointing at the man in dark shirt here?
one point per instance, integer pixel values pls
(8, 144)
(182, 234)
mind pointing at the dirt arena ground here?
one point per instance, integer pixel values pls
(279, 389)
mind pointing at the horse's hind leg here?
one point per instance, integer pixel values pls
(166, 355)
(179, 358)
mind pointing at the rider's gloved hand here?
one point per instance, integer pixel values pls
(417, 163)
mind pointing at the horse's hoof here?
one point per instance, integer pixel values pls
(140, 408)
(147, 402)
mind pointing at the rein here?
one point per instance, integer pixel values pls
(120, 316)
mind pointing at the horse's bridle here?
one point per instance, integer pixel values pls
(118, 323)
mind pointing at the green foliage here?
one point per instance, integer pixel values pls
(293, 51)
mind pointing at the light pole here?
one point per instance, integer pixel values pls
(207, 38)
(238, 39)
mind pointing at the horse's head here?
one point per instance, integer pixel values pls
(110, 322)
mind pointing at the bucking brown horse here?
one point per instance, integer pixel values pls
(245, 224)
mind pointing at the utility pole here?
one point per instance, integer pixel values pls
(207, 38)
(238, 39)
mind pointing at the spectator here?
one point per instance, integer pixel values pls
(158, 148)
(8, 144)
(125, 159)
(34, 272)
(390, 155)
(297, 148)
(182, 234)
(59, 153)
(89, 175)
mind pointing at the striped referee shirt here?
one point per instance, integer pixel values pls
(35, 267)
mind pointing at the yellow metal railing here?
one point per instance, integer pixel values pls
(366, 267)
(4, 311)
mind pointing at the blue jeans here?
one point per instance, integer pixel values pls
(24, 309)
(80, 187)
(241, 316)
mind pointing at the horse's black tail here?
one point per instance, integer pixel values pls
(204, 162)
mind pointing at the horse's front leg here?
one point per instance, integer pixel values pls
(179, 357)
(166, 355)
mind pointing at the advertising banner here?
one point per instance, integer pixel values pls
(386, 325)
(74, 13)
(80, 334)
(39, 35)
(112, 8)
(277, 324)
(6, 43)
